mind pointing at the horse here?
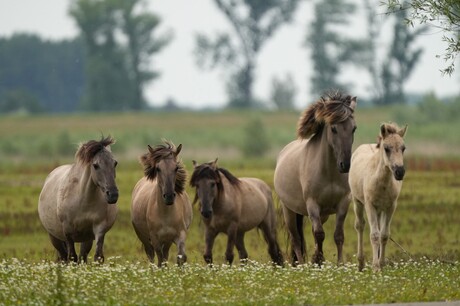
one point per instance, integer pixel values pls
(161, 212)
(234, 206)
(311, 173)
(77, 201)
(376, 175)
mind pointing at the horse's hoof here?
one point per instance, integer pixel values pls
(181, 259)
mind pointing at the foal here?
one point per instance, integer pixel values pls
(375, 178)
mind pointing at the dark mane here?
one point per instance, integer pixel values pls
(88, 150)
(168, 150)
(332, 108)
(206, 171)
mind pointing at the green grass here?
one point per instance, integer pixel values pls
(426, 225)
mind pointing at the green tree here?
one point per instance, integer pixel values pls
(400, 61)
(48, 72)
(331, 50)
(253, 22)
(283, 92)
(119, 44)
(443, 14)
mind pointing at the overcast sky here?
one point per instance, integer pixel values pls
(182, 81)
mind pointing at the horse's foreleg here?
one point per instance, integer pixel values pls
(239, 243)
(180, 242)
(385, 220)
(231, 238)
(318, 232)
(373, 220)
(85, 248)
(72, 254)
(339, 236)
(99, 255)
(209, 236)
(294, 224)
(359, 227)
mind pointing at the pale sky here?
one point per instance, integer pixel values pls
(189, 86)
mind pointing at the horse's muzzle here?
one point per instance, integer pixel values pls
(399, 172)
(169, 198)
(111, 196)
(206, 214)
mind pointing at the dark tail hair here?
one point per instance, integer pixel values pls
(299, 224)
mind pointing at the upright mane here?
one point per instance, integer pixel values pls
(331, 108)
(390, 128)
(207, 171)
(86, 151)
(164, 151)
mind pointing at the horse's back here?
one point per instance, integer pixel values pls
(256, 200)
(49, 199)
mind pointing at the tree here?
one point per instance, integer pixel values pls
(400, 61)
(119, 44)
(331, 50)
(48, 72)
(283, 92)
(443, 14)
(253, 22)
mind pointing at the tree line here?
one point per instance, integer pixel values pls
(109, 64)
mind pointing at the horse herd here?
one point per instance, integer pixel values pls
(315, 176)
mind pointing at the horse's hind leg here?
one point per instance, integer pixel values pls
(84, 250)
(269, 232)
(61, 247)
(239, 243)
(359, 227)
(294, 223)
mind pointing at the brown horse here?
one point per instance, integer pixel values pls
(311, 173)
(376, 175)
(161, 211)
(73, 202)
(234, 206)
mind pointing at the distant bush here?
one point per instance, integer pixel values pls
(256, 141)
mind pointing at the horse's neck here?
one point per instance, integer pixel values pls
(323, 155)
(82, 173)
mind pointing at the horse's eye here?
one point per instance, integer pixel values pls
(354, 129)
(115, 163)
(96, 166)
(334, 129)
(177, 168)
(387, 150)
(213, 185)
(403, 148)
(158, 169)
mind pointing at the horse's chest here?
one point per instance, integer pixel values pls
(330, 196)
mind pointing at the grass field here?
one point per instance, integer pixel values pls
(426, 225)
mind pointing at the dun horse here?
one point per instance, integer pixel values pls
(75, 202)
(234, 206)
(161, 211)
(311, 173)
(376, 175)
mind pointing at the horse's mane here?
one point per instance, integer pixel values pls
(390, 128)
(86, 151)
(207, 171)
(168, 150)
(331, 108)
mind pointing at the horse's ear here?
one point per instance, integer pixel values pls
(178, 149)
(383, 130)
(214, 164)
(194, 163)
(150, 149)
(353, 102)
(402, 131)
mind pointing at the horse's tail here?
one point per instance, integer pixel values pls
(299, 226)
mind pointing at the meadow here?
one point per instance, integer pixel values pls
(423, 260)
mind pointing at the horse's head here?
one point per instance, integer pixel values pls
(332, 115)
(161, 163)
(98, 156)
(391, 145)
(206, 180)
